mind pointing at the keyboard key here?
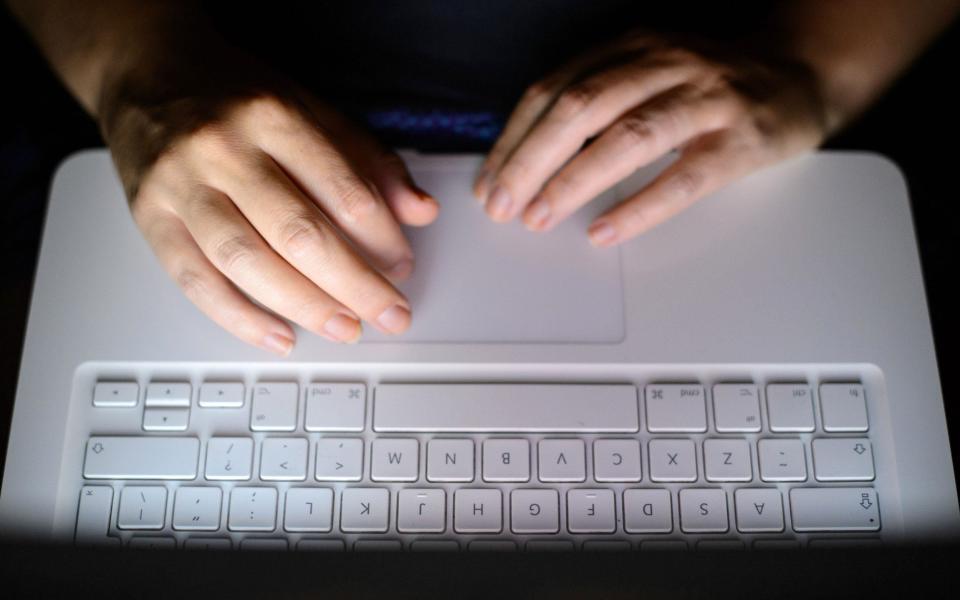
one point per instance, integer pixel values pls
(274, 407)
(492, 546)
(664, 546)
(377, 546)
(606, 546)
(208, 544)
(321, 545)
(116, 394)
(339, 459)
(759, 510)
(549, 546)
(229, 459)
(221, 394)
(141, 458)
(782, 460)
(673, 460)
(535, 511)
(166, 419)
(843, 407)
(843, 459)
(394, 459)
(283, 459)
(790, 407)
(253, 509)
(456, 408)
(335, 406)
(675, 408)
(152, 543)
(93, 515)
(197, 509)
(727, 460)
(421, 511)
(308, 509)
(142, 507)
(647, 511)
(736, 407)
(562, 460)
(168, 394)
(591, 511)
(703, 510)
(775, 545)
(450, 460)
(616, 460)
(845, 544)
(435, 546)
(834, 509)
(264, 545)
(365, 510)
(506, 460)
(720, 546)
(477, 511)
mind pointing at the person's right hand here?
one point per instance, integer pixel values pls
(241, 182)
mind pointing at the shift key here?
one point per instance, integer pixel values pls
(110, 457)
(834, 509)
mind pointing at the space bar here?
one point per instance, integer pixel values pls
(504, 407)
(116, 457)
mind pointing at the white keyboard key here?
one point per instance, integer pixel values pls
(506, 460)
(283, 459)
(339, 459)
(672, 460)
(736, 407)
(843, 459)
(549, 546)
(719, 545)
(790, 407)
(197, 509)
(759, 510)
(421, 511)
(264, 545)
(606, 546)
(152, 543)
(843, 407)
(168, 394)
(834, 509)
(166, 419)
(274, 406)
(534, 511)
(647, 511)
(211, 543)
(591, 511)
(377, 546)
(664, 546)
(435, 546)
(229, 459)
(141, 458)
(450, 460)
(116, 394)
(320, 545)
(477, 511)
(562, 460)
(308, 509)
(394, 459)
(93, 515)
(365, 510)
(727, 460)
(335, 406)
(703, 510)
(616, 460)
(492, 546)
(782, 460)
(142, 507)
(505, 407)
(676, 407)
(253, 509)
(221, 394)
(776, 545)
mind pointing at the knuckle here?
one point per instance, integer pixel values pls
(574, 100)
(191, 284)
(299, 235)
(636, 129)
(356, 202)
(234, 252)
(686, 183)
(312, 314)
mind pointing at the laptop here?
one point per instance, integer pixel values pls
(758, 373)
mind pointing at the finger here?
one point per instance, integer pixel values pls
(311, 159)
(300, 233)
(209, 290)
(706, 164)
(633, 141)
(238, 251)
(579, 113)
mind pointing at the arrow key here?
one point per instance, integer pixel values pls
(283, 459)
(843, 459)
(339, 459)
(166, 419)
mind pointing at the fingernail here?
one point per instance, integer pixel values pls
(280, 344)
(401, 270)
(395, 319)
(537, 215)
(498, 205)
(424, 196)
(602, 234)
(342, 328)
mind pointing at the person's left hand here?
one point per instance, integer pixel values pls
(634, 101)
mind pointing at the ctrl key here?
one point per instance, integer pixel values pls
(835, 509)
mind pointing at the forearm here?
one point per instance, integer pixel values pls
(87, 43)
(856, 48)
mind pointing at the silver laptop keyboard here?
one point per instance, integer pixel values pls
(300, 463)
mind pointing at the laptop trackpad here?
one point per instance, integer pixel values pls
(479, 281)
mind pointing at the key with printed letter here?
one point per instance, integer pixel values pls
(365, 510)
(562, 460)
(450, 460)
(506, 460)
(534, 511)
(394, 459)
(616, 460)
(591, 511)
(421, 511)
(308, 509)
(477, 511)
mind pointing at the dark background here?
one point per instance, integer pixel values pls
(915, 124)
